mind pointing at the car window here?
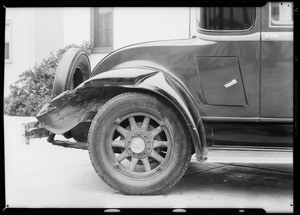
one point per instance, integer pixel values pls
(281, 14)
(226, 18)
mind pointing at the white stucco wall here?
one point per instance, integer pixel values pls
(77, 25)
(38, 31)
(22, 44)
(35, 32)
(48, 32)
(130, 25)
(135, 25)
(193, 22)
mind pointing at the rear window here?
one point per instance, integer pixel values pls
(282, 13)
(226, 18)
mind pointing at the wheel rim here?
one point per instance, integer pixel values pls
(139, 145)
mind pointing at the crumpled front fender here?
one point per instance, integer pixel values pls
(72, 107)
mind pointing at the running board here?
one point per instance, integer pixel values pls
(250, 155)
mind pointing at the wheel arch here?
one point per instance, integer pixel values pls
(167, 88)
(72, 107)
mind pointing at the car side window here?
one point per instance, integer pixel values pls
(281, 14)
(226, 18)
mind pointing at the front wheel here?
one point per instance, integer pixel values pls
(138, 144)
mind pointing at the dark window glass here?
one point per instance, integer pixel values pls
(6, 50)
(226, 18)
(103, 28)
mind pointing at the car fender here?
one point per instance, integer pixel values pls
(74, 106)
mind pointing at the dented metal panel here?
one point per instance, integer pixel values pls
(70, 108)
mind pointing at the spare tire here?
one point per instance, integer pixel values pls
(73, 69)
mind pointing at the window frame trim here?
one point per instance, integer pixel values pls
(101, 50)
(226, 31)
(9, 60)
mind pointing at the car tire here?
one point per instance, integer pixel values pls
(73, 69)
(139, 145)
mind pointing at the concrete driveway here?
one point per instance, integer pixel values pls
(41, 175)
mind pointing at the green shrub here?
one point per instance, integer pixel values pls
(34, 87)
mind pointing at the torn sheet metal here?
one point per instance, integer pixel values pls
(70, 108)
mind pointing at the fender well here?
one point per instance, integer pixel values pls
(159, 83)
(72, 107)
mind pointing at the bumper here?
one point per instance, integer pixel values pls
(34, 130)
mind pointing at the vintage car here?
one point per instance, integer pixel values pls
(145, 109)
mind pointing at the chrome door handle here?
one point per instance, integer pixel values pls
(271, 36)
(231, 83)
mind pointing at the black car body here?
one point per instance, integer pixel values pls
(231, 86)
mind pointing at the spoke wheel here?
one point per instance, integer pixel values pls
(138, 144)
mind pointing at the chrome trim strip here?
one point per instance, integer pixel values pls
(230, 119)
(280, 36)
(248, 37)
(248, 148)
(277, 120)
(246, 119)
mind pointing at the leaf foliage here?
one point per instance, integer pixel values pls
(34, 86)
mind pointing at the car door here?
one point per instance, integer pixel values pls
(277, 63)
(265, 65)
(229, 68)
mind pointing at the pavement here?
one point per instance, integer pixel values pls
(41, 175)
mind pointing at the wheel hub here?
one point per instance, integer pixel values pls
(142, 143)
(137, 145)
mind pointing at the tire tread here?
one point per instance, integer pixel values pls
(180, 175)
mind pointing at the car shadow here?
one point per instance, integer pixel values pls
(251, 178)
